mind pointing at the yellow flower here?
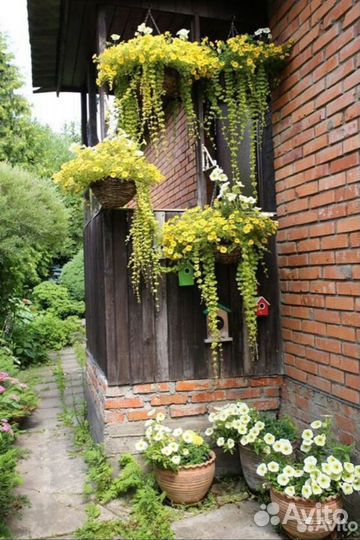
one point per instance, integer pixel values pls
(248, 228)
(223, 249)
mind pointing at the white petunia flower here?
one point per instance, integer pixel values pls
(244, 440)
(177, 432)
(261, 469)
(183, 34)
(349, 467)
(306, 491)
(188, 436)
(326, 468)
(310, 464)
(174, 447)
(269, 438)
(336, 467)
(143, 29)
(289, 470)
(356, 484)
(273, 466)
(158, 436)
(176, 460)
(220, 441)
(267, 450)
(277, 446)
(357, 471)
(230, 443)
(115, 37)
(298, 473)
(283, 479)
(231, 197)
(166, 451)
(209, 431)
(320, 440)
(316, 489)
(149, 422)
(260, 426)
(286, 447)
(185, 452)
(141, 445)
(317, 424)
(211, 417)
(347, 489)
(307, 435)
(306, 448)
(243, 408)
(160, 417)
(324, 481)
(289, 491)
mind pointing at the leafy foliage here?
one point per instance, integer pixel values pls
(17, 399)
(72, 276)
(33, 225)
(54, 298)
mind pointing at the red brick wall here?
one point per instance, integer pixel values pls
(177, 161)
(316, 114)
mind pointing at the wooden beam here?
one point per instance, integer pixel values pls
(205, 8)
(101, 32)
(201, 181)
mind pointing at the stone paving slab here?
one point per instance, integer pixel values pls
(230, 522)
(53, 475)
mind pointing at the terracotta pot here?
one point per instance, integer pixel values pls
(113, 192)
(189, 484)
(249, 462)
(307, 520)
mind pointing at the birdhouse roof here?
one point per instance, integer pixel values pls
(263, 299)
(220, 306)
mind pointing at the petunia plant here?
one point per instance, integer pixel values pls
(320, 470)
(171, 449)
(237, 423)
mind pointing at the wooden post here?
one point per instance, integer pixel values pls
(101, 44)
(201, 181)
(84, 117)
(92, 123)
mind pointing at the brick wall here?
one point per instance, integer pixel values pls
(118, 412)
(177, 161)
(316, 114)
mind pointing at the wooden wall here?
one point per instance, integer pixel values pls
(133, 343)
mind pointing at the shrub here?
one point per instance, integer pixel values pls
(9, 480)
(55, 298)
(32, 230)
(17, 399)
(72, 276)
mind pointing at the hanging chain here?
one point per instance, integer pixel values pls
(149, 15)
(233, 30)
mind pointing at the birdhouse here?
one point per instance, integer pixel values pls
(186, 276)
(263, 307)
(223, 324)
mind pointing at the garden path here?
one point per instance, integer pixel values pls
(53, 475)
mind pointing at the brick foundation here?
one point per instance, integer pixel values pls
(118, 413)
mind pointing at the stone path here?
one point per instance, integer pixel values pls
(54, 478)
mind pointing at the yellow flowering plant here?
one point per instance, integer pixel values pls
(120, 158)
(250, 67)
(233, 225)
(171, 449)
(137, 69)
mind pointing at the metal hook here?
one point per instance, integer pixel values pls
(149, 15)
(233, 30)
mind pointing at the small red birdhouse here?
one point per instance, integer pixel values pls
(263, 307)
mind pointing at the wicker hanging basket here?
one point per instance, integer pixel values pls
(113, 192)
(228, 258)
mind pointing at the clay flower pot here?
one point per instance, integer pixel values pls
(249, 463)
(189, 484)
(307, 520)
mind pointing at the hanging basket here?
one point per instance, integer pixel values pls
(171, 83)
(228, 258)
(113, 192)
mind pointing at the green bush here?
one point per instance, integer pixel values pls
(52, 297)
(17, 400)
(33, 226)
(72, 276)
(9, 480)
(33, 333)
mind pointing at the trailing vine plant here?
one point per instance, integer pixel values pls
(120, 158)
(233, 226)
(142, 70)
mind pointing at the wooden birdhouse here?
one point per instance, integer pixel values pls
(223, 324)
(263, 307)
